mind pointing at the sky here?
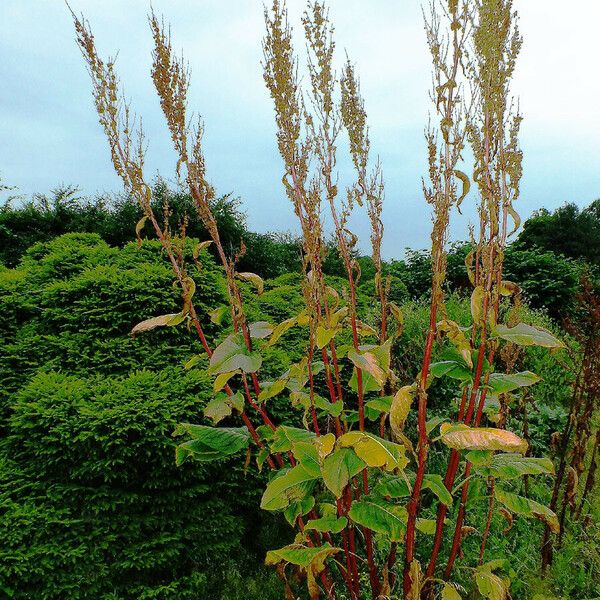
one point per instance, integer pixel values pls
(51, 137)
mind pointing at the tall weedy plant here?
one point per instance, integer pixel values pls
(350, 480)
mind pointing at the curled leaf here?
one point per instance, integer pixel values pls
(254, 279)
(162, 321)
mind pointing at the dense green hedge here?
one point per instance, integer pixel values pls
(91, 504)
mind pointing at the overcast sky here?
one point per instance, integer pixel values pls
(50, 134)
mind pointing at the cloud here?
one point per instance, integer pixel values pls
(46, 111)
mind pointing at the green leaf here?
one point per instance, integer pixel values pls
(268, 389)
(338, 468)
(221, 380)
(510, 466)
(426, 526)
(222, 405)
(452, 369)
(393, 486)
(284, 438)
(298, 508)
(433, 423)
(435, 483)
(381, 404)
(254, 279)
(260, 330)
(231, 354)
(280, 329)
(384, 518)
(162, 321)
(324, 336)
(332, 524)
(528, 508)
(210, 443)
(502, 383)
(528, 335)
(374, 451)
(307, 455)
(194, 360)
(287, 488)
(216, 315)
(462, 437)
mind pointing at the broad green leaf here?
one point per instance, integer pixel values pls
(393, 486)
(254, 279)
(369, 383)
(260, 330)
(502, 383)
(433, 423)
(216, 315)
(307, 454)
(268, 389)
(298, 508)
(426, 526)
(312, 560)
(528, 508)
(296, 554)
(528, 335)
(210, 443)
(385, 518)
(284, 438)
(435, 483)
(338, 468)
(222, 405)
(400, 408)
(332, 524)
(462, 437)
(381, 404)
(162, 321)
(452, 369)
(490, 586)
(449, 592)
(507, 466)
(231, 354)
(375, 451)
(324, 336)
(287, 488)
(481, 458)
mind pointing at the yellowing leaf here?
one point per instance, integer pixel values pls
(324, 336)
(367, 361)
(287, 488)
(457, 337)
(280, 329)
(199, 247)
(325, 444)
(375, 451)
(508, 288)
(222, 379)
(162, 321)
(271, 389)
(477, 304)
(400, 408)
(254, 279)
(528, 508)
(138, 230)
(490, 586)
(466, 186)
(338, 468)
(449, 593)
(462, 437)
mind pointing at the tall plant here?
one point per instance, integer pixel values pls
(349, 480)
